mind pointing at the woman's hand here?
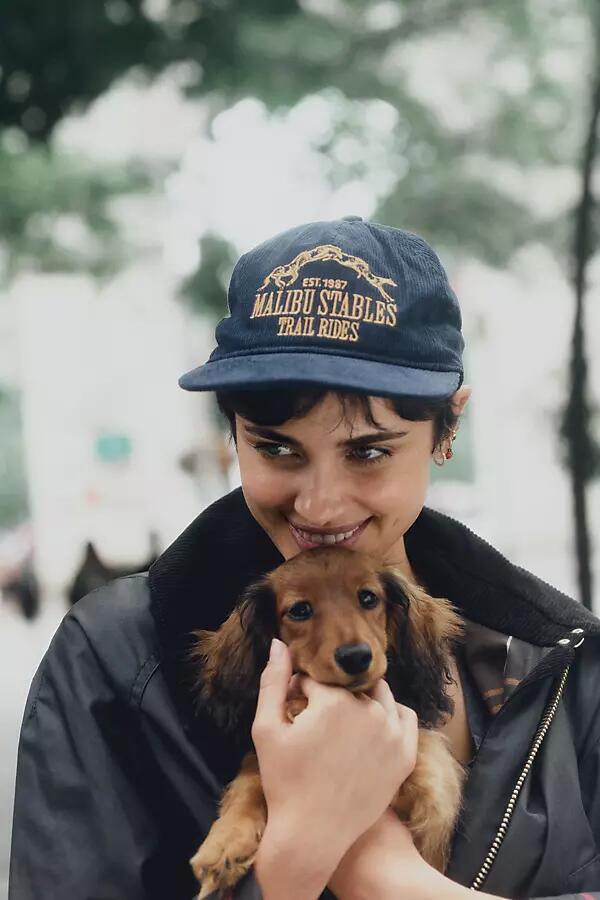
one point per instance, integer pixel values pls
(329, 775)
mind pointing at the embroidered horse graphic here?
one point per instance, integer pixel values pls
(284, 276)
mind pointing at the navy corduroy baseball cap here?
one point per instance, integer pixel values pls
(347, 305)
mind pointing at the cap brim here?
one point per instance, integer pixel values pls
(285, 370)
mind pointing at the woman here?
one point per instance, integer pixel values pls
(339, 369)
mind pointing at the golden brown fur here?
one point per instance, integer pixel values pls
(411, 638)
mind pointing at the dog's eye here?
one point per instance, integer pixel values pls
(368, 600)
(300, 611)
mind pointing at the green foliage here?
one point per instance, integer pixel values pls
(206, 288)
(463, 214)
(58, 56)
(55, 211)
(13, 490)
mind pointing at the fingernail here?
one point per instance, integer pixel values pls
(276, 650)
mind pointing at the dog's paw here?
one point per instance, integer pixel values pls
(224, 857)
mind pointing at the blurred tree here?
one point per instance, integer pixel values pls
(206, 288)
(582, 451)
(13, 490)
(56, 59)
(55, 211)
(58, 56)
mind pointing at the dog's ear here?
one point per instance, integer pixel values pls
(229, 662)
(422, 634)
(397, 595)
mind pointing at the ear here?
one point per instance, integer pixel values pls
(460, 399)
(397, 597)
(422, 635)
(229, 662)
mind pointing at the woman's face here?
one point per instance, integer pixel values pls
(324, 473)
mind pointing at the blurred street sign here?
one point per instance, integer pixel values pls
(113, 447)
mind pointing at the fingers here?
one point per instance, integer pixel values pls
(317, 694)
(406, 713)
(382, 694)
(294, 687)
(315, 691)
(402, 719)
(273, 686)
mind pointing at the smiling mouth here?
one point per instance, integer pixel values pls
(315, 539)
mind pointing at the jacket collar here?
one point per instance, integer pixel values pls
(196, 581)
(487, 588)
(195, 584)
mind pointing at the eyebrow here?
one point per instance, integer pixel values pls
(273, 435)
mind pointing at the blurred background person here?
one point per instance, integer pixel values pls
(144, 145)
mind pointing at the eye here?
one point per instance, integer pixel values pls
(271, 450)
(300, 611)
(380, 454)
(367, 599)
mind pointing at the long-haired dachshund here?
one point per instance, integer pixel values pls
(347, 620)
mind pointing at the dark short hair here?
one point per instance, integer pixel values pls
(274, 407)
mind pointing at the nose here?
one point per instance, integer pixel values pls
(320, 496)
(353, 658)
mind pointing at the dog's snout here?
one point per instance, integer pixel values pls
(353, 658)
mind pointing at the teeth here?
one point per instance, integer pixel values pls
(326, 538)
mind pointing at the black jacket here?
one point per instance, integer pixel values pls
(118, 780)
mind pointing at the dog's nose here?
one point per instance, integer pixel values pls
(353, 658)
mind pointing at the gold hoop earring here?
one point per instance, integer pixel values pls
(448, 453)
(439, 460)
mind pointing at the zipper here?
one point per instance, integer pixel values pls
(538, 739)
